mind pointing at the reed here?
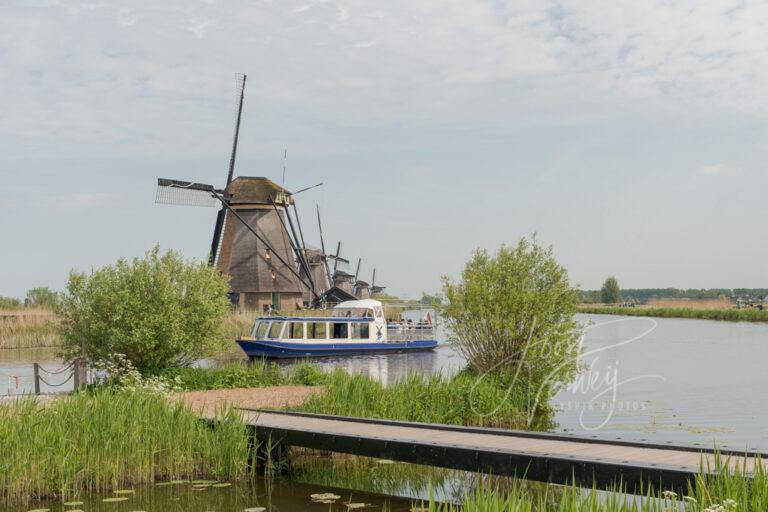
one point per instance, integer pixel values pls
(244, 375)
(28, 328)
(464, 399)
(107, 439)
(731, 315)
(719, 490)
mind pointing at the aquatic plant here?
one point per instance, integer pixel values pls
(112, 439)
(244, 375)
(463, 399)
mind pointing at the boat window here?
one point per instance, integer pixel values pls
(377, 312)
(360, 330)
(296, 330)
(261, 329)
(317, 330)
(275, 329)
(339, 330)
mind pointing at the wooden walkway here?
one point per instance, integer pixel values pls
(554, 458)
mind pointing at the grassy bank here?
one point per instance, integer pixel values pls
(28, 328)
(244, 375)
(110, 439)
(464, 399)
(732, 315)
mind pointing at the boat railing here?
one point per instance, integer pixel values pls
(397, 333)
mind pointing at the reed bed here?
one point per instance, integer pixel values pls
(28, 328)
(245, 375)
(109, 439)
(731, 315)
(720, 490)
(464, 399)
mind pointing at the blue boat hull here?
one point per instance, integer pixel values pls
(281, 349)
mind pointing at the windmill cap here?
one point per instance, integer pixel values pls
(249, 190)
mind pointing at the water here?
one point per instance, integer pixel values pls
(679, 380)
(274, 494)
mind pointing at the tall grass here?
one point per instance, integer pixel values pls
(722, 490)
(28, 328)
(93, 442)
(464, 399)
(242, 375)
(733, 315)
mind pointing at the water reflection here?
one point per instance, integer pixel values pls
(278, 494)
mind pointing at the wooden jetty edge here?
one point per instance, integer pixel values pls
(555, 458)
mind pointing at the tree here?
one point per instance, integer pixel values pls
(42, 297)
(610, 293)
(513, 313)
(158, 311)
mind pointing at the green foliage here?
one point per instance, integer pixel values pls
(435, 300)
(733, 315)
(513, 312)
(93, 442)
(43, 297)
(259, 374)
(465, 399)
(11, 303)
(159, 311)
(610, 293)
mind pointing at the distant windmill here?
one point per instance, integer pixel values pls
(251, 241)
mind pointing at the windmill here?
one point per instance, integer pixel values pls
(254, 238)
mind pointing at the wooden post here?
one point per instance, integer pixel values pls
(80, 373)
(37, 378)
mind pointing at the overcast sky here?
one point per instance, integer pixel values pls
(629, 135)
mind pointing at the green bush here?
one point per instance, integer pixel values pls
(43, 298)
(610, 293)
(243, 375)
(158, 311)
(513, 313)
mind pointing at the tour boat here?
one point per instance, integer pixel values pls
(354, 327)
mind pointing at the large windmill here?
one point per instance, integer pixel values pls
(255, 240)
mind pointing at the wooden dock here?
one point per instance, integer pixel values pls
(556, 458)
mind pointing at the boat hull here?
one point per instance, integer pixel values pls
(281, 349)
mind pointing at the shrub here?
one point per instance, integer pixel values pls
(513, 313)
(158, 311)
(42, 298)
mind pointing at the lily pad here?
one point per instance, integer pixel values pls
(255, 509)
(114, 500)
(385, 461)
(39, 510)
(124, 491)
(325, 496)
(356, 505)
(72, 504)
(221, 484)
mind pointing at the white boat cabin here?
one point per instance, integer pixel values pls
(355, 321)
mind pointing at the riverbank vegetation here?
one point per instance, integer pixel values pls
(732, 315)
(244, 375)
(468, 398)
(28, 328)
(159, 311)
(511, 315)
(109, 439)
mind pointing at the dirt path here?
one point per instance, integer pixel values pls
(274, 397)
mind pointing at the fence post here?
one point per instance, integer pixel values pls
(37, 378)
(80, 373)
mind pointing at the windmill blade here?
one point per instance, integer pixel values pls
(186, 193)
(306, 188)
(240, 80)
(357, 271)
(336, 258)
(322, 247)
(218, 229)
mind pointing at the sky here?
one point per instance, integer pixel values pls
(628, 135)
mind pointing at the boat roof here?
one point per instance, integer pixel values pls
(358, 304)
